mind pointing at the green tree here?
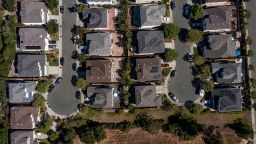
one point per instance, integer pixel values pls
(87, 135)
(3, 134)
(194, 108)
(9, 5)
(69, 135)
(166, 71)
(80, 8)
(241, 128)
(43, 85)
(198, 60)
(82, 57)
(196, 12)
(52, 27)
(205, 71)
(212, 136)
(250, 53)
(171, 30)
(81, 83)
(51, 4)
(170, 55)
(53, 136)
(251, 67)
(99, 133)
(195, 36)
(45, 125)
(39, 102)
(126, 73)
(247, 13)
(253, 82)
(253, 95)
(248, 40)
(208, 86)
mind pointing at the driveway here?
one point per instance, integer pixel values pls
(181, 84)
(62, 99)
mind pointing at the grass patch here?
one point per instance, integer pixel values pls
(53, 58)
(55, 36)
(55, 11)
(166, 71)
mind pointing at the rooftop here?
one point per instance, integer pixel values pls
(22, 137)
(98, 71)
(220, 46)
(95, 18)
(148, 69)
(23, 117)
(101, 96)
(150, 42)
(32, 12)
(145, 96)
(227, 73)
(31, 65)
(100, 44)
(33, 39)
(227, 99)
(21, 92)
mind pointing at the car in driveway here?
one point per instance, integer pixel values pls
(74, 80)
(201, 92)
(51, 87)
(62, 61)
(164, 65)
(78, 94)
(74, 54)
(173, 73)
(172, 5)
(58, 80)
(173, 97)
(190, 57)
(74, 66)
(62, 9)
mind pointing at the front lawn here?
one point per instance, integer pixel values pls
(53, 58)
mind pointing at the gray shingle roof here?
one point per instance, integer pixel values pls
(212, 1)
(145, 96)
(149, 15)
(227, 99)
(150, 42)
(31, 65)
(23, 117)
(220, 46)
(100, 44)
(33, 12)
(95, 18)
(32, 38)
(148, 69)
(22, 137)
(98, 71)
(21, 92)
(227, 73)
(217, 18)
(102, 96)
(98, 0)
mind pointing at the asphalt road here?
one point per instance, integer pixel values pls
(62, 99)
(181, 84)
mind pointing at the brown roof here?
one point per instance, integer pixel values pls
(148, 69)
(98, 71)
(23, 117)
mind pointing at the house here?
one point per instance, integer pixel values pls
(219, 19)
(96, 18)
(148, 69)
(31, 65)
(23, 117)
(99, 2)
(146, 97)
(227, 73)
(22, 137)
(33, 13)
(227, 99)
(21, 92)
(99, 44)
(33, 39)
(146, 1)
(98, 71)
(150, 42)
(149, 16)
(220, 46)
(216, 3)
(101, 96)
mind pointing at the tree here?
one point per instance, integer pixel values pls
(45, 125)
(241, 128)
(69, 135)
(205, 71)
(171, 30)
(43, 85)
(53, 136)
(251, 67)
(212, 136)
(166, 71)
(9, 5)
(126, 73)
(82, 57)
(247, 13)
(196, 12)
(52, 4)
(208, 86)
(39, 102)
(253, 95)
(80, 8)
(248, 40)
(193, 108)
(99, 133)
(253, 82)
(170, 55)
(87, 135)
(3, 134)
(250, 53)
(198, 60)
(81, 83)
(52, 27)
(195, 36)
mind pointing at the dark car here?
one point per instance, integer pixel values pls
(78, 94)
(165, 65)
(173, 73)
(51, 87)
(58, 80)
(74, 54)
(74, 80)
(62, 60)
(173, 97)
(74, 66)
(173, 5)
(62, 9)
(190, 57)
(186, 10)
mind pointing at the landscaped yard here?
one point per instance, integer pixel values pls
(53, 58)
(55, 36)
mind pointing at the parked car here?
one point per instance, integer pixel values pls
(205, 102)
(164, 65)
(173, 5)
(201, 92)
(62, 60)
(166, 19)
(74, 66)
(173, 97)
(196, 24)
(51, 87)
(190, 57)
(74, 54)
(58, 80)
(78, 94)
(186, 10)
(74, 80)
(173, 73)
(62, 9)
(53, 46)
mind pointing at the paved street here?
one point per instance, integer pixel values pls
(181, 85)
(62, 99)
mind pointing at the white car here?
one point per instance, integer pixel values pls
(201, 92)
(166, 19)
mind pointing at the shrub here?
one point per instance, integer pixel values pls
(171, 30)
(253, 83)
(9, 5)
(166, 71)
(241, 128)
(195, 35)
(43, 85)
(251, 67)
(250, 53)
(45, 125)
(196, 12)
(52, 4)
(39, 102)
(68, 135)
(170, 55)
(205, 71)
(208, 86)
(81, 84)
(212, 136)
(247, 13)
(52, 27)
(53, 136)
(198, 60)
(248, 40)
(253, 95)
(193, 108)
(80, 8)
